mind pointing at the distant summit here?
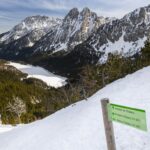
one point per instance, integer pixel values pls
(27, 33)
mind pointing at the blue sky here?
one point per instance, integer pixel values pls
(13, 11)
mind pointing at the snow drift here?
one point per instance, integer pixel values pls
(80, 126)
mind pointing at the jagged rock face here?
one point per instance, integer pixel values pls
(125, 36)
(29, 31)
(75, 28)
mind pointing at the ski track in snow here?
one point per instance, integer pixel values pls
(40, 73)
(80, 126)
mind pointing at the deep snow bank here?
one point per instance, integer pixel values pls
(80, 126)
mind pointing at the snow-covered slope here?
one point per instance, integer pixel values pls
(40, 73)
(121, 47)
(80, 126)
(5, 128)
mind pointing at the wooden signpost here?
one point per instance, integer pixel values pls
(126, 115)
(109, 131)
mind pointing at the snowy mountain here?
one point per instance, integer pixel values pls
(80, 126)
(30, 30)
(75, 28)
(56, 34)
(125, 36)
(82, 37)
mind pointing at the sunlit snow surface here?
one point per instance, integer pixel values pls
(40, 73)
(5, 128)
(121, 47)
(80, 126)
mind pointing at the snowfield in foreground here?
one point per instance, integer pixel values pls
(40, 73)
(5, 128)
(80, 126)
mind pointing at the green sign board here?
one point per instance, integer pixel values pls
(127, 115)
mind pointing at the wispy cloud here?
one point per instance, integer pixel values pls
(5, 17)
(13, 11)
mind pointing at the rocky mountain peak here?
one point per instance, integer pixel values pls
(86, 13)
(33, 24)
(76, 28)
(34, 18)
(139, 15)
(73, 13)
(37, 22)
(85, 10)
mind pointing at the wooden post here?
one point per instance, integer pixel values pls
(109, 131)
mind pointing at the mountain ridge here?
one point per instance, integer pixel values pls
(76, 27)
(56, 34)
(84, 38)
(128, 34)
(26, 33)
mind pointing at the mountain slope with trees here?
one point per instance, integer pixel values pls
(80, 126)
(39, 100)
